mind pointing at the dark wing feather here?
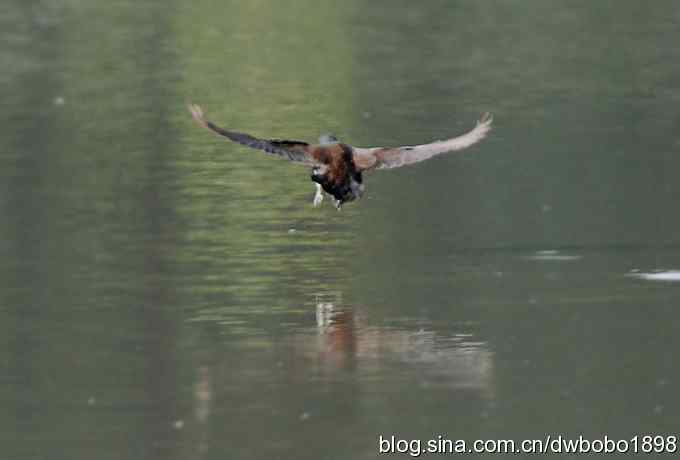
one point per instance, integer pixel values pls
(292, 150)
(393, 157)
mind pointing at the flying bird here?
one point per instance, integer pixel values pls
(337, 167)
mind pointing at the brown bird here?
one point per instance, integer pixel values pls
(336, 167)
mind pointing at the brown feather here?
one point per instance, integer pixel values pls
(364, 162)
(298, 151)
(394, 157)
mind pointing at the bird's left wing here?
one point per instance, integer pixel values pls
(394, 157)
(298, 151)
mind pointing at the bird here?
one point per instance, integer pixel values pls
(337, 168)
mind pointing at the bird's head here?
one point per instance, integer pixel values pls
(327, 138)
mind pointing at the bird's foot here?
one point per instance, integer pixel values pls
(318, 196)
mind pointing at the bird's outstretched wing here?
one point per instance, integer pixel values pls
(393, 157)
(292, 150)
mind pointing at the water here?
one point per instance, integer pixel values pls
(168, 295)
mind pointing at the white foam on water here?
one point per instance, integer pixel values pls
(668, 275)
(552, 254)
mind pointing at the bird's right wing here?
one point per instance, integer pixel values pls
(394, 157)
(298, 151)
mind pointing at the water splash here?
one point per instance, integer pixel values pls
(665, 275)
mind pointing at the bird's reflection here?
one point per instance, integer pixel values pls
(346, 340)
(337, 335)
(196, 430)
(203, 394)
(341, 360)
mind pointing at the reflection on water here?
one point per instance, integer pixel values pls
(347, 372)
(345, 339)
(198, 433)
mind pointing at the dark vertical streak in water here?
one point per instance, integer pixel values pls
(47, 364)
(158, 314)
(31, 145)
